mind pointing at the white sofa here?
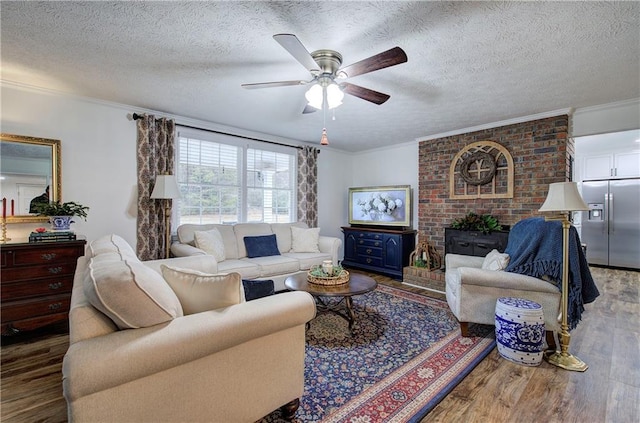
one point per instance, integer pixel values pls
(472, 292)
(144, 358)
(275, 267)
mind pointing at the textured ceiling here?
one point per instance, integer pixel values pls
(470, 63)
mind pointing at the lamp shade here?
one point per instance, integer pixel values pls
(563, 197)
(165, 187)
(314, 96)
(334, 95)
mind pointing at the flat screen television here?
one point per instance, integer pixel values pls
(380, 206)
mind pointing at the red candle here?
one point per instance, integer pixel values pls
(4, 208)
(12, 208)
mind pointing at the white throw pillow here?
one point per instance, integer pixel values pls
(211, 243)
(305, 240)
(130, 293)
(200, 292)
(495, 260)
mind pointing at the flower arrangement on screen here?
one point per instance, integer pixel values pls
(378, 205)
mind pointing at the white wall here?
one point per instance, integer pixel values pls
(397, 165)
(98, 155)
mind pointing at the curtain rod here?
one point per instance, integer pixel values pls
(137, 116)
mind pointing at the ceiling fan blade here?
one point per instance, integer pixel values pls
(308, 109)
(391, 57)
(364, 93)
(272, 84)
(291, 43)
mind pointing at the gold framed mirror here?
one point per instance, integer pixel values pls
(29, 165)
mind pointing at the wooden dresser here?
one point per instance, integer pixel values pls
(36, 283)
(383, 251)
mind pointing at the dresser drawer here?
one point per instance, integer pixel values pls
(42, 256)
(370, 261)
(370, 242)
(370, 235)
(363, 250)
(36, 288)
(17, 310)
(42, 271)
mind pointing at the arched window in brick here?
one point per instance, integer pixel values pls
(483, 169)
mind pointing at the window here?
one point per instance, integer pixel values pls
(224, 179)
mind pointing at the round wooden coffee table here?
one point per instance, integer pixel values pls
(358, 284)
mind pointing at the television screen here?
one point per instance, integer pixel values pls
(380, 206)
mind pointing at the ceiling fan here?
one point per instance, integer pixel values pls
(327, 74)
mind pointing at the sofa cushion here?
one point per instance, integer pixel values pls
(211, 242)
(254, 289)
(130, 293)
(243, 230)
(246, 268)
(495, 260)
(274, 265)
(283, 234)
(261, 246)
(305, 240)
(307, 260)
(186, 236)
(198, 291)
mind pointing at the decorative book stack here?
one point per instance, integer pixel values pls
(52, 236)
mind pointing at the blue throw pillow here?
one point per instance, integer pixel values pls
(261, 246)
(257, 289)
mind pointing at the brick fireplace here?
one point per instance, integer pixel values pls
(542, 153)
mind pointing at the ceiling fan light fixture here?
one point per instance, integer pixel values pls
(324, 140)
(334, 95)
(314, 96)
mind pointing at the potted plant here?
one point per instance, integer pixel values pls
(473, 222)
(60, 214)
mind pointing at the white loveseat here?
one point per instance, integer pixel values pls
(291, 260)
(145, 358)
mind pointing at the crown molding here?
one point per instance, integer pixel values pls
(537, 116)
(608, 106)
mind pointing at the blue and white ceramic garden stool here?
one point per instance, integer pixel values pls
(520, 330)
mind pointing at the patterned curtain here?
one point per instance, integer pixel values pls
(308, 185)
(155, 146)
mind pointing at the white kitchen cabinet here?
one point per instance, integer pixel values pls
(611, 166)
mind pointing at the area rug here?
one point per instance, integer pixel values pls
(404, 355)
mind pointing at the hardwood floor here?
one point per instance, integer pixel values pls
(607, 339)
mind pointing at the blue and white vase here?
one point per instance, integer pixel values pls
(520, 330)
(60, 223)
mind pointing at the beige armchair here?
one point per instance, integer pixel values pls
(472, 293)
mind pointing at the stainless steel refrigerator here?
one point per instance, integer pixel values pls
(611, 227)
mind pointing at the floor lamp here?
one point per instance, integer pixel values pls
(166, 189)
(562, 199)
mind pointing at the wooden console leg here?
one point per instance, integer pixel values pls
(551, 340)
(289, 409)
(464, 329)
